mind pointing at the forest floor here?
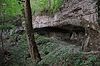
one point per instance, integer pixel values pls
(53, 52)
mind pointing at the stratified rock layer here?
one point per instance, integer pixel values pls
(75, 12)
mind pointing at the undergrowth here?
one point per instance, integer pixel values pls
(51, 53)
(13, 8)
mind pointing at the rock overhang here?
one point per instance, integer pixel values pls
(74, 12)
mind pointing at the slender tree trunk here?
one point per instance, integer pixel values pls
(30, 33)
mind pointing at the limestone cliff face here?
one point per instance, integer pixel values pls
(76, 12)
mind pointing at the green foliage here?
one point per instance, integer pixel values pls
(20, 52)
(10, 7)
(52, 52)
(7, 26)
(83, 60)
(61, 56)
(40, 40)
(54, 6)
(42, 5)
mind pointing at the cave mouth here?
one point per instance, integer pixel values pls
(67, 33)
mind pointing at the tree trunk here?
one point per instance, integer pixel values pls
(30, 33)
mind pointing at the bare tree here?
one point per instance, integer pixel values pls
(30, 33)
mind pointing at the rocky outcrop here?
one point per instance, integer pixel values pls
(76, 12)
(72, 23)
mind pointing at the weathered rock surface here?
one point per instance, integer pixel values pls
(76, 12)
(72, 23)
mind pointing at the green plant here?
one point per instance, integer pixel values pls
(41, 39)
(10, 7)
(41, 5)
(54, 5)
(7, 26)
